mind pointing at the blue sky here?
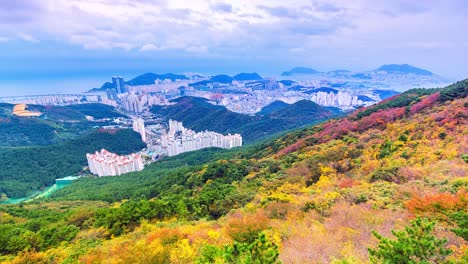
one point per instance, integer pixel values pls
(94, 39)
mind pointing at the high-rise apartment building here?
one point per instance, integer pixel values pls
(119, 84)
(112, 94)
(139, 127)
(105, 163)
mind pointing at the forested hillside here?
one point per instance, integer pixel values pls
(57, 124)
(386, 184)
(198, 114)
(31, 168)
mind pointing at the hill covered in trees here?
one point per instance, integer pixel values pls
(386, 184)
(32, 168)
(198, 114)
(57, 124)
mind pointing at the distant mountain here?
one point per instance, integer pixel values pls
(144, 79)
(222, 78)
(198, 114)
(247, 77)
(200, 83)
(384, 94)
(105, 86)
(403, 69)
(299, 71)
(323, 89)
(361, 76)
(149, 78)
(365, 98)
(287, 82)
(275, 106)
(338, 72)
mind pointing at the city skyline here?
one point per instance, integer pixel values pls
(61, 40)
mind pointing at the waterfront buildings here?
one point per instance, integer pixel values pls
(105, 163)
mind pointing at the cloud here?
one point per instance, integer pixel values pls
(280, 11)
(223, 7)
(19, 11)
(4, 39)
(150, 47)
(28, 38)
(297, 30)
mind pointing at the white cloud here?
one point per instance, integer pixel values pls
(150, 47)
(28, 38)
(297, 29)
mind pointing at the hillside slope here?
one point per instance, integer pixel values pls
(198, 114)
(312, 196)
(57, 124)
(31, 168)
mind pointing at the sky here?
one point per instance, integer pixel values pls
(65, 41)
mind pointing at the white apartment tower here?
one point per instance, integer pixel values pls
(105, 163)
(139, 127)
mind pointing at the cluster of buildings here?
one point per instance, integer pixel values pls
(138, 103)
(137, 99)
(52, 100)
(105, 163)
(180, 139)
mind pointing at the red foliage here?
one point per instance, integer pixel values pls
(291, 148)
(348, 183)
(439, 203)
(427, 101)
(381, 117)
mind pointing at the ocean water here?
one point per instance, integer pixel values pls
(49, 86)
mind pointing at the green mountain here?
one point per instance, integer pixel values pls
(144, 79)
(276, 105)
(198, 114)
(105, 86)
(247, 77)
(222, 78)
(149, 78)
(57, 124)
(31, 168)
(403, 69)
(299, 71)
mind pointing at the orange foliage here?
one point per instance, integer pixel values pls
(245, 227)
(439, 203)
(348, 183)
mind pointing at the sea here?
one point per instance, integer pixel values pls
(50, 86)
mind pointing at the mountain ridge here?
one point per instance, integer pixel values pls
(198, 114)
(403, 69)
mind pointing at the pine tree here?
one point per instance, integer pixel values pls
(415, 244)
(260, 251)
